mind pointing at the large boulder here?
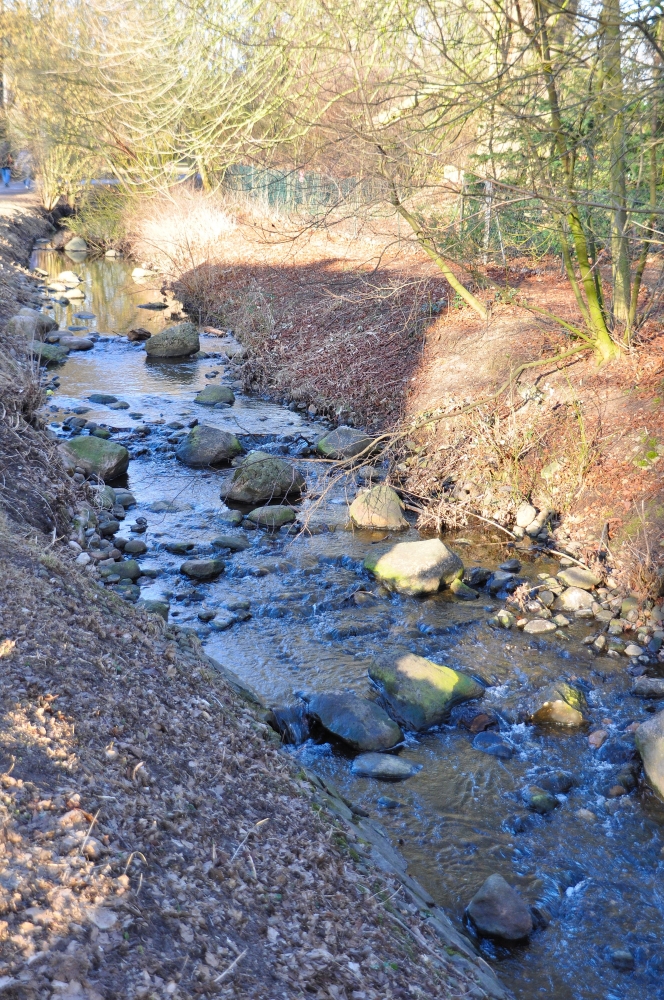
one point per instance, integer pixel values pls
(44, 323)
(206, 445)
(419, 693)
(415, 567)
(649, 738)
(174, 342)
(263, 477)
(345, 442)
(106, 459)
(497, 910)
(360, 723)
(379, 507)
(213, 394)
(573, 599)
(559, 705)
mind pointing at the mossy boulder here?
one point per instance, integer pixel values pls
(558, 705)
(379, 507)
(49, 354)
(263, 477)
(360, 723)
(419, 693)
(106, 459)
(206, 445)
(271, 517)
(345, 442)
(160, 608)
(415, 567)
(213, 394)
(174, 342)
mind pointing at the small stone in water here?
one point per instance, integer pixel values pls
(511, 566)
(386, 803)
(586, 815)
(631, 649)
(622, 959)
(493, 744)
(557, 782)
(597, 738)
(560, 621)
(539, 800)
(539, 625)
(385, 767)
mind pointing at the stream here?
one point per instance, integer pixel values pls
(309, 619)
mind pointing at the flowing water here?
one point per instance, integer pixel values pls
(461, 818)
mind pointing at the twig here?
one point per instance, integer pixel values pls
(230, 968)
(564, 555)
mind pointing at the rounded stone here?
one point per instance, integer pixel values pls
(203, 569)
(213, 394)
(94, 455)
(538, 626)
(271, 517)
(344, 443)
(360, 723)
(207, 445)
(415, 567)
(497, 910)
(379, 507)
(263, 477)
(419, 693)
(384, 767)
(174, 342)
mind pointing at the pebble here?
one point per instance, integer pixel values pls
(622, 959)
(597, 738)
(585, 815)
(538, 626)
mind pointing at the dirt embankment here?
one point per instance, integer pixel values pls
(155, 842)
(359, 325)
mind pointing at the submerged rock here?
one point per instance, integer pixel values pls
(539, 799)
(173, 342)
(493, 744)
(384, 767)
(106, 459)
(419, 693)
(102, 397)
(345, 442)
(415, 567)
(557, 782)
(360, 723)
(207, 445)
(379, 507)
(213, 394)
(236, 543)
(263, 477)
(203, 569)
(649, 738)
(560, 705)
(497, 910)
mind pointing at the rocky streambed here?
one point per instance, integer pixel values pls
(480, 698)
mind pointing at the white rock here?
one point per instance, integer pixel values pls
(633, 650)
(538, 625)
(525, 515)
(82, 559)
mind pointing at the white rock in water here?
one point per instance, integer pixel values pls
(538, 625)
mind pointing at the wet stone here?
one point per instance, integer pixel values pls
(384, 767)
(360, 723)
(557, 782)
(539, 800)
(203, 569)
(538, 626)
(622, 959)
(493, 744)
(497, 910)
(235, 543)
(419, 693)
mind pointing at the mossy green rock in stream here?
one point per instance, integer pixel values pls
(419, 693)
(127, 570)
(263, 477)
(415, 567)
(559, 705)
(106, 459)
(49, 354)
(649, 738)
(207, 445)
(360, 723)
(272, 517)
(236, 543)
(213, 394)
(379, 507)
(539, 800)
(173, 342)
(345, 442)
(463, 591)
(203, 569)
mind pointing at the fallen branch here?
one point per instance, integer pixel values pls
(234, 963)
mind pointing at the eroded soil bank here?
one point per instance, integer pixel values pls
(155, 842)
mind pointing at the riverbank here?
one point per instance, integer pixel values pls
(156, 841)
(357, 325)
